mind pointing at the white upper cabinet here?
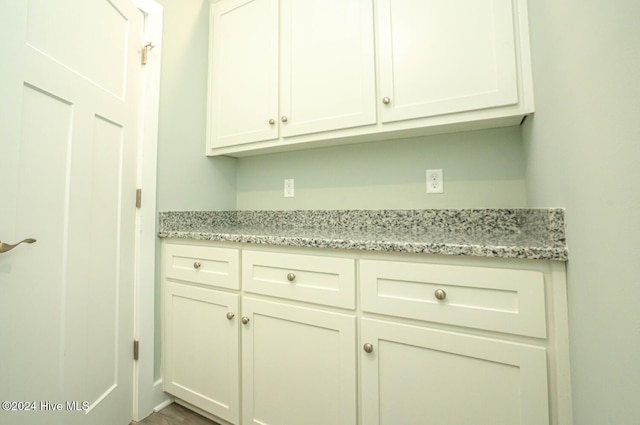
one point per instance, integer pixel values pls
(289, 69)
(440, 57)
(243, 79)
(303, 74)
(327, 66)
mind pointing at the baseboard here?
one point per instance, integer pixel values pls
(160, 398)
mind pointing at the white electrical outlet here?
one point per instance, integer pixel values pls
(288, 188)
(435, 182)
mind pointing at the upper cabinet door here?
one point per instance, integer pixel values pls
(243, 98)
(445, 56)
(327, 65)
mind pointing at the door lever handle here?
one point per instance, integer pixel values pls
(5, 247)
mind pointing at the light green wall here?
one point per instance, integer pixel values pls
(583, 153)
(187, 180)
(482, 169)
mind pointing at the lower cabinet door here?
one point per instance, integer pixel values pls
(201, 348)
(414, 375)
(298, 365)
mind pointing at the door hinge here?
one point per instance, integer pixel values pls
(138, 198)
(145, 51)
(136, 349)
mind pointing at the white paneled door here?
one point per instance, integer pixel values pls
(69, 124)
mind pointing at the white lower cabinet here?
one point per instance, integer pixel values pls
(460, 344)
(201, 348)
(414, 375)
(315, 337)
(298, 365)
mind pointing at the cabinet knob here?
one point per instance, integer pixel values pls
(197, 265)
(368, 348)
(440, 294)
(284, 118)
(244, 320)
(291, 277)
(272, 121)
(386, 100)
(230, 315)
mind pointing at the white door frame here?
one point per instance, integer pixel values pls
(147, 392)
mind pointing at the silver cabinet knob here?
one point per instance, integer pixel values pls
(284, 118)
(197, 265)
(368, 348)
(272, 121)
(386, 100)
(230, 315)
(291, 277)
(440, 294)
(244, 320)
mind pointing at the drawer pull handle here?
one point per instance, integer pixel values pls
(197, 265)
(244, 320)
(440, 294)
(291, 277)
(368, 348)
(230, 315)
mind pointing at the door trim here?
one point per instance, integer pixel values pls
(147, 392)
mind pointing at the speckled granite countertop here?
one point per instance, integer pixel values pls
(505, 233)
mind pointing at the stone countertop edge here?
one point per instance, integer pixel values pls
(502, 233)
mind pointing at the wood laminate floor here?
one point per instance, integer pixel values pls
(174, 414)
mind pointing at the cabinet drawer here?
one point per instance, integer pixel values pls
(309, 278)
(203, 264)
(502, 300)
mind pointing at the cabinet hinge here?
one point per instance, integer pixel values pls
(138, 198)
(136, 349)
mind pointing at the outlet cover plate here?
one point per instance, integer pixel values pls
(435, 182)
(289, 191)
